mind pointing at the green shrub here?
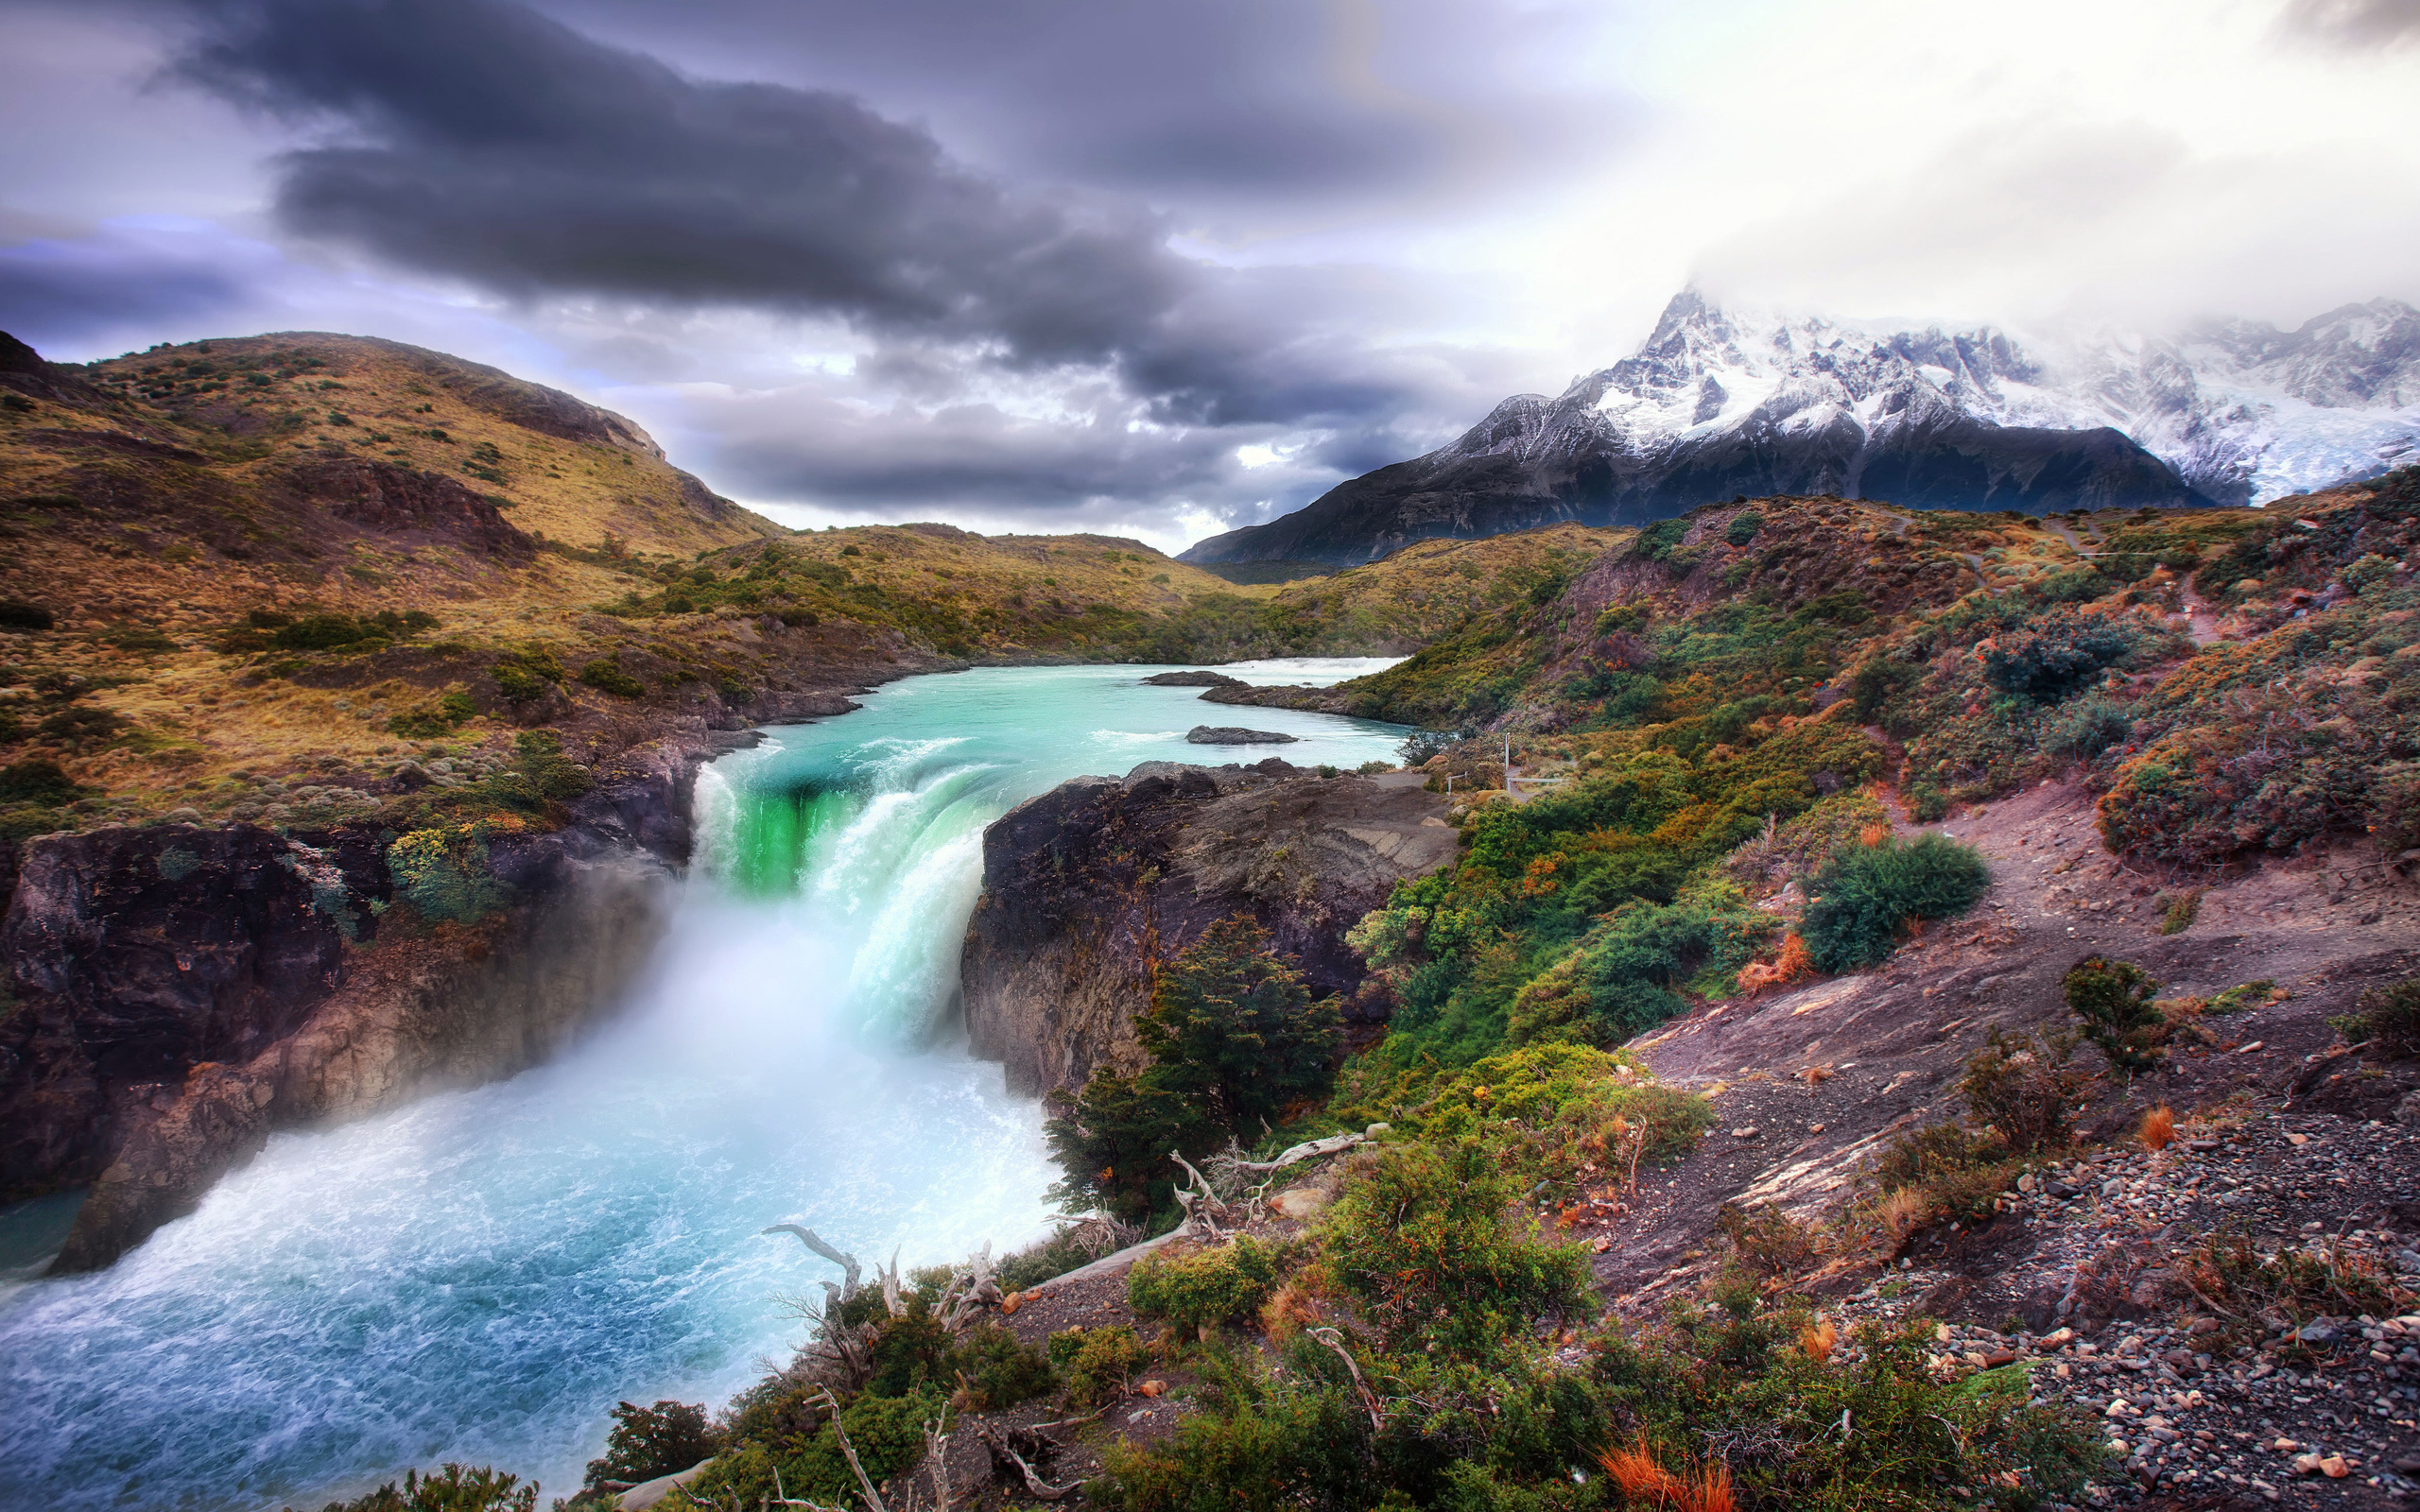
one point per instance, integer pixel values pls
(1865, 895)
(1204, 1287)
(2388, 1019)
(40, 781)
(1743, 528)
(2026, 1090)
(2086, 728)
(1430, 1245)
(1927, 805)
(2115, 1001)
(2180, 911)
(1097, 1365)
(1280, 1441)
(439, 717)
(538, 756)
(2058, 653)
(324, 632)
(82, 729)
(647, 1442)
(1059, 1254)
(516, 685)
(455, 1489)
(1236, 1042)
(1927, 1443)
(887, 1433)
(443, 873)
(1659, 540)
(605, 677)
(999, 1372)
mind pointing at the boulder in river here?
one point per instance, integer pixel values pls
(1235, 735)
(1192, 679)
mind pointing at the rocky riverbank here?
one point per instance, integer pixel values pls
(1088, 888)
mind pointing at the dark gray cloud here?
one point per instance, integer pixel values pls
(1235, 102)
(483, 141)
(2355, 23)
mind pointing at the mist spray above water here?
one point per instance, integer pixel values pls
(480, 1276)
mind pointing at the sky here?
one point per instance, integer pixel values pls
(1161, 270)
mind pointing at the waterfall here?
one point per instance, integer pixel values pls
(479, 1276)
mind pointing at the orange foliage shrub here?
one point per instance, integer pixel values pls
(2159, 1129)
(1646, 1483)
(1793, 963)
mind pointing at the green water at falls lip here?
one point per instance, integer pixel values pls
(479, 1276)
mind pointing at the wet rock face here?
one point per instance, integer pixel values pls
(133, 955)
(175, 995)
(177, 944)
(1088, 888)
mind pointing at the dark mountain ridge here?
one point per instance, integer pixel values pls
(1716, 405)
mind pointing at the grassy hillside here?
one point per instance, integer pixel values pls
(1733, 695)
(243, 567)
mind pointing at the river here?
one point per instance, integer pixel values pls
(482, 1274)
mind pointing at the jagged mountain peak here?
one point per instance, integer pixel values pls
(1726, 399)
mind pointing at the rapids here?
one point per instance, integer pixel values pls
(479, 1276)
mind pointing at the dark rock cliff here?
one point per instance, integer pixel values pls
(1089, 887)
(178, 993)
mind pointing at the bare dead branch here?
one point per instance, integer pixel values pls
(1034, 1484)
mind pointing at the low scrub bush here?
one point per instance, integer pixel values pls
(1430, 1245)
(40, 781)
(647, 1442)
(1097, 1365)
(605, 677)
(1770, 1241)
(997, 1371)
(2289, 1287)
(2178, 913)
(524, 675)
(2386, 1018)
(2026, 1092)
(1741, 1376)
(1072, 1246)
(888, 1434)
(2117, 1003)
(2086, 728)
(2058, 653)
(440, 717)
(1237, 1044)
(19, 614)
(1201, 1288)
(454, 1489)
(444, 872)
(1865, 896)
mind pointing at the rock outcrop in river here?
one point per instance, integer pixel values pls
(1088, 888)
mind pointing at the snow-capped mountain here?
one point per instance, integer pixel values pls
(1717, 404)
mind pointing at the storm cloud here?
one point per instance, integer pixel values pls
(486, 141)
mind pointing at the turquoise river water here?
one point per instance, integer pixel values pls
(482, 1274)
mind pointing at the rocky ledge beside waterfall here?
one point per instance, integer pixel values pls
(1089, 887)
